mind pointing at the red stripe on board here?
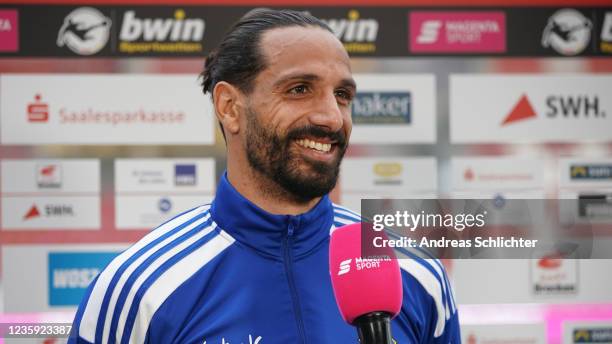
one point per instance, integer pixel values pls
(71, 236)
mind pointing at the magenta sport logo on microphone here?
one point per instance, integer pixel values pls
(345, 267)
(360, 264)
(363, 283)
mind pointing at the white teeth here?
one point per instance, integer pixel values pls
(323, 147)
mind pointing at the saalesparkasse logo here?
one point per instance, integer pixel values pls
(357, 34)
(38, 111)
(572, 106)
(85, 31)
(177, 34)
(568, 32)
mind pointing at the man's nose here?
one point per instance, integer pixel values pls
(327, 113)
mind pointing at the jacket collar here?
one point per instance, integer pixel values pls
(269, 233)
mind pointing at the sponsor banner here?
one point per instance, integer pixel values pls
(595, 331)
(501, 175)
(567, 32)
(457, 32)
(358, 34)
(9, 30)
(365, 31)
(104, 109)
(50, 176)
(553, 275)
(44, 278)
(168, 31)
(504, 333)
(165, 175)
(136, 31)
(192, 31)
(585, 173)
(555, 31)
(84, 31)
(70, 273)
(392, 177)
(46, 212)
(500, 180)
(531, 108)
(513, 282)
(500, 197)
(391, 174)
(150, 211)
(505, 211)
(588, 181)
(588, 207)
(123, 31)
(152, 191)
(394, 108)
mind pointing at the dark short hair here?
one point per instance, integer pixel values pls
(238, 58)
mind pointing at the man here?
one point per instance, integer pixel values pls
(252, 267)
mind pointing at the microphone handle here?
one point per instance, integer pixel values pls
(374, 328)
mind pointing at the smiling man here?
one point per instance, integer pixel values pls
(252, 267)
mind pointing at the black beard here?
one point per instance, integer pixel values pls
(271, 155)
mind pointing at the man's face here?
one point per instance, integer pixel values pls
(298, 119)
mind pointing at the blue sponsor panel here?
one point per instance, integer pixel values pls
(185, 174)
(70, 273)
(382, 108)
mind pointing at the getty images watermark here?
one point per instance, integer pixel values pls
(485, 228)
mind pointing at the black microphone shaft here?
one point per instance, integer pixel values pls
(374, 328)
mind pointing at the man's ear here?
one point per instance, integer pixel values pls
(226, 99)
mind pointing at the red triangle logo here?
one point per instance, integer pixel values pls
(33, 212)
(521, 111)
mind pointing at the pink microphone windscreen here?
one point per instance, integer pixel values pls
(363, 285)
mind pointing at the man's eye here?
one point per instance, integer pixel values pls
(301, 89)
(344, 95)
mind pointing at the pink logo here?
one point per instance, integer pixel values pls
(457, 32)
(9, 31)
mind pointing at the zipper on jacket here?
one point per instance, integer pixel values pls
(288, 260)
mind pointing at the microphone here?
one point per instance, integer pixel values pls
(368, 291)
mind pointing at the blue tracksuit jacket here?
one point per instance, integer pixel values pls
(231, 273)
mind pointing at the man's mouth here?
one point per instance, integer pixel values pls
(315, 145)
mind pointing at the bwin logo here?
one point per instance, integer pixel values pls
(358, 35)
(160, 30)
(345, 267)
